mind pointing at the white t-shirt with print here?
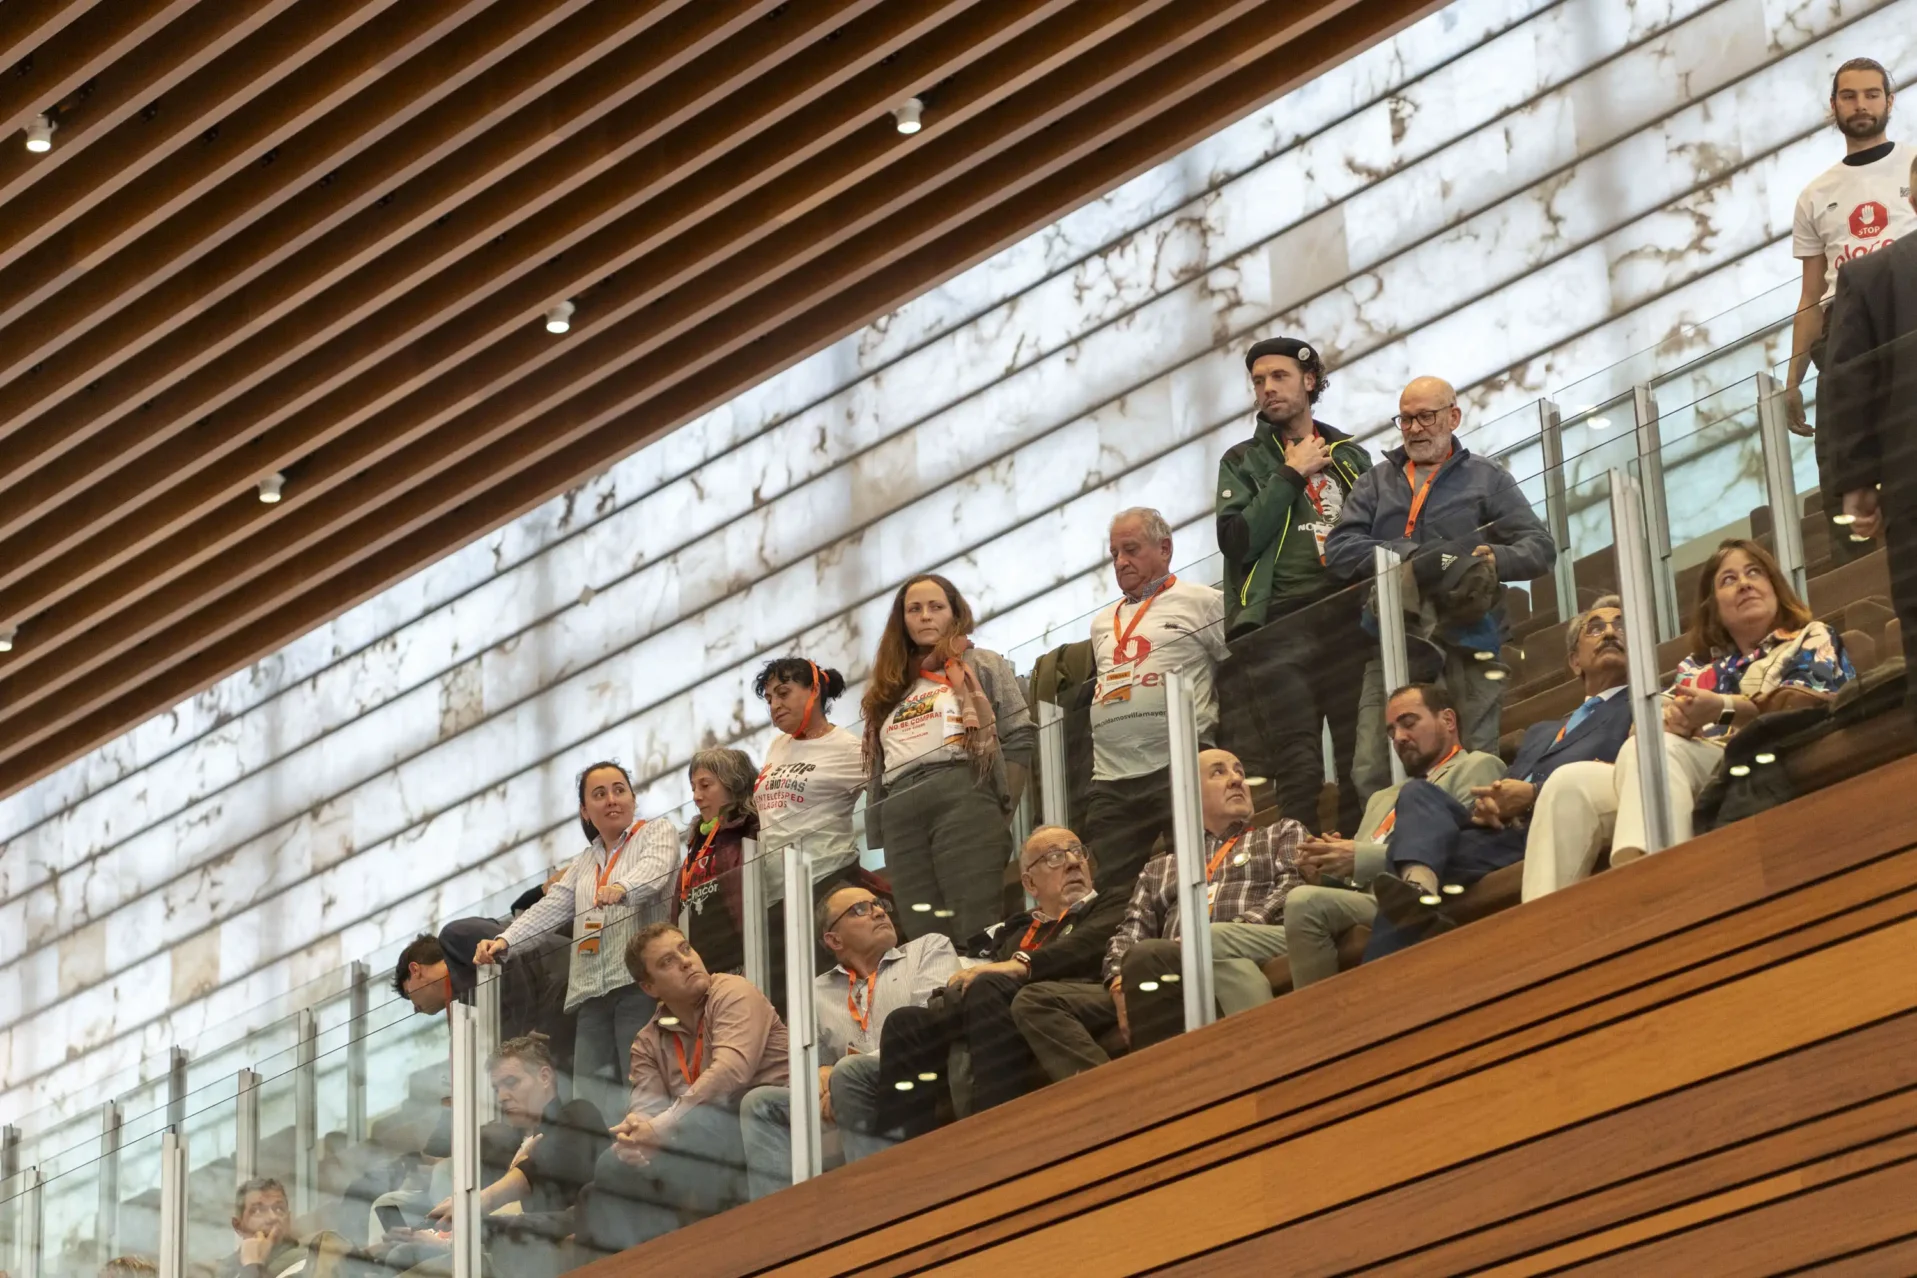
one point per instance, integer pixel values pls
(806, 794)
(1183, 629)
(924, 728)
(1849, 210)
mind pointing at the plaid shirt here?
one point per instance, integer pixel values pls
(1249, 887)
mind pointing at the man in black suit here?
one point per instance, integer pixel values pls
(1868, 409)
(1511, 820)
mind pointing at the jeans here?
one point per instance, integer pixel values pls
(698, 1172)
(765, 1122)
(602, 1051)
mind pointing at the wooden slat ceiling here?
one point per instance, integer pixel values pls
(318, 237)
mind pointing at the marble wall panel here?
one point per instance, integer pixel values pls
(1518, 193)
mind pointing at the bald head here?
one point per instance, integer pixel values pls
(1427, 418)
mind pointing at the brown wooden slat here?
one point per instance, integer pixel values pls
(68, 58)
(148, 72)
(1896, 1259)
(30, 23)
(1056, 150)
(41, 253)
(82, 486)
(1763, 1122)
(1803, 1230)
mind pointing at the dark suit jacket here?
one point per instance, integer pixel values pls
(1867, 400)
(1598, 738)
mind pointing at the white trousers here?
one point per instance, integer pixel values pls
(1583, 806)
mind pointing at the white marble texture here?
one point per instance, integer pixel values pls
(1516, 194)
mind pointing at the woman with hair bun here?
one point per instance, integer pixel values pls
(813, 771)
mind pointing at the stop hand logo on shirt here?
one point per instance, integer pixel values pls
(1868, 220)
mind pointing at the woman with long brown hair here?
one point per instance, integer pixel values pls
(1755, 649)
(948, 741)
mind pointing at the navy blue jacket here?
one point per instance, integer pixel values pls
(1470, 500)
(1598, 738)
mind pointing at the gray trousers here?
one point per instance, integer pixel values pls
(946, 846)
(699, 1172)
(765, 1121)
(1238, 953)
(1479, 702)
(1315, 917)
(1063, 1023)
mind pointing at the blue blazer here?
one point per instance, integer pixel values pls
(1598, 738)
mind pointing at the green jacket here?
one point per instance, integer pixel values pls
(1261, 506)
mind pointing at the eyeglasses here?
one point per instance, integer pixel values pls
(1059, 858)
(1598, 625)
(858, 910)
(1425, 420)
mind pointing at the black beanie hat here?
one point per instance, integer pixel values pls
(1291, 346)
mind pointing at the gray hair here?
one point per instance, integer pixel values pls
(1576, 628)
(1150, 520)
(732, 769)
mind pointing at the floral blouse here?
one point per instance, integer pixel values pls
(1812, 659)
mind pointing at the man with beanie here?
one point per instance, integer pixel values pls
(1298, 652)
(1463, 526)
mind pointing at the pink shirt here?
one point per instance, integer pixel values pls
(741, 1045)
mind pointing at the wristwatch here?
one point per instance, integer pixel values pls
(1728, 715)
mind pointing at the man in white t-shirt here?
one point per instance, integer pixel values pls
(1857, 206)
(1162, 624)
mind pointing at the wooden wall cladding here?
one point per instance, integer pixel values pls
(1703, 1064)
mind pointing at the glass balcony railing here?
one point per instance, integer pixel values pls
(1254, 791)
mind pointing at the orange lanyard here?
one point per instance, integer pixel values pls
(1417, 494)
(696, 1066)
(1391, 818)
(1124, 636)
(864, 1018)
(1026, 946)
(692, 863)
(1218, 857)
(805, 722)
(617, 852)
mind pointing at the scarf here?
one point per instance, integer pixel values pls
(975, 708)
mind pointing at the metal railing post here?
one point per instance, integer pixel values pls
(112, 1131)
(802, 1022)
(359, 1008)
(1657, 516)
(1188, 847)
(1055, 806)
(176, 1089)
(488, 1031)
(1640, 648)
(1393, 658)
(752, 906)
(306, 1115)
(1780, 484)
(1557, 507)
(466, 1089)
(32, 1213)
(246, 1127)
(173, 1205)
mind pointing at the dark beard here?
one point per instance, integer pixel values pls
(1855, 126)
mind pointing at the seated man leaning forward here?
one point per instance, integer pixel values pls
(1248, 873)
(1060, 941)
(874, 977)
(263, 1222)
(711, 1040)
(1422, 725)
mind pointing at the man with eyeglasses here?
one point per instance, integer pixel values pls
(1056, 948)
(1443, 840)
(1297, 651)
(874, 977)
(1248, 873)
(1450, 514)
